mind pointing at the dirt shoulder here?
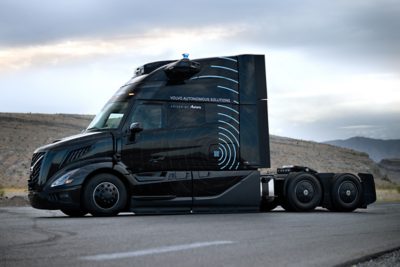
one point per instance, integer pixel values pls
(14, 197)
(15, 201)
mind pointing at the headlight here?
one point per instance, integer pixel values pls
(65, 179)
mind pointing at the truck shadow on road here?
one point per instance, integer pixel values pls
(277, 212)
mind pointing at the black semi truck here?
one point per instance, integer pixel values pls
(184, 136)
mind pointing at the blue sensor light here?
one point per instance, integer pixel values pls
(185, 55)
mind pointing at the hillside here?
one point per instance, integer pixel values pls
(390, 168)
(376, 148)
(21, 134)
(321, 157)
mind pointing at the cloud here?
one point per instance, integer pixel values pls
(359, 127)
(45, 21)
(305, 91)
(150, 43)
(330, 64)
(344, 32)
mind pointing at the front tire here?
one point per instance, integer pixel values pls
(105, 195)
(303, 192)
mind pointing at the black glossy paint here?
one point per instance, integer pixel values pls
(200, 134)
(218, 124)
(200, 122)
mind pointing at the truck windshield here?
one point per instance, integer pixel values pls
(110, 116)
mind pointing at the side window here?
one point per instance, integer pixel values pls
(113, 120)
(181, 115)
(149, 116)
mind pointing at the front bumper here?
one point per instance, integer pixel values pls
(56, 199)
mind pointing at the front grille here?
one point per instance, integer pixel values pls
(36, 163)
(76, 154)
(35, 157)
(53, 197)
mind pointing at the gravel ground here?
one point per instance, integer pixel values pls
(14, 201)
(387, 260)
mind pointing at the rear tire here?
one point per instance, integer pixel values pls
(346, 193)
(105, 195)
(303, 192)
(74, 213)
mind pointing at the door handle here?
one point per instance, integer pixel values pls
(156, 159)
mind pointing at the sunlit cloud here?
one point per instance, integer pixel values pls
(360, 127)
(327, 95)
(153, 42)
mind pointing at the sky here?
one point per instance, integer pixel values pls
(333, 67)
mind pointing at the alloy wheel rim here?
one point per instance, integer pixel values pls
(305, 191)
(348, 192)
(106, 195)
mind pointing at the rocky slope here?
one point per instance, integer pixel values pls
(321, 157)
(390, 169)
(21, 134)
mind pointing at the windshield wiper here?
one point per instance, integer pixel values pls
(93, 128)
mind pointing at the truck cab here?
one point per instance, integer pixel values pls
(179, 136)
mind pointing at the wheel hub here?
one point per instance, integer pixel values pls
(305, 191)
(106, 195)
(348, 191)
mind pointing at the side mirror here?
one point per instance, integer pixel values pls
(135, 127)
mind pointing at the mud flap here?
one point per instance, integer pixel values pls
(368, 185)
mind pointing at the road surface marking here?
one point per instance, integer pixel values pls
(152, 251)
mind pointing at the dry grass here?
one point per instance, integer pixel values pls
(388, 195)
(14, 191)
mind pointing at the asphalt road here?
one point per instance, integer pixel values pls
(30, 237)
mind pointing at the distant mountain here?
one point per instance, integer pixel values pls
(376, 148)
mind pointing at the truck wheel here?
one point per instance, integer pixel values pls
(346, 193)
(266, 205)
(74, 213)
(104, 195)
(303, 193)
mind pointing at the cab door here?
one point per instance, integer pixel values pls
(145, 151)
